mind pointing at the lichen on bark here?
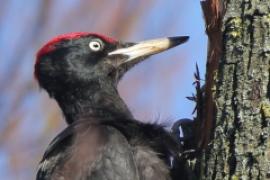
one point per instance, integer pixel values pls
(240, 146)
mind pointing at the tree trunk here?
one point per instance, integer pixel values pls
(239, 89)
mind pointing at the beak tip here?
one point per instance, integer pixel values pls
(174, 41)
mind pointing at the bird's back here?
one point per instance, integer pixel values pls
(86, 150)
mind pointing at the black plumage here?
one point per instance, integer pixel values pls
(102, 140)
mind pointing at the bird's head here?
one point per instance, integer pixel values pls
(79, 58)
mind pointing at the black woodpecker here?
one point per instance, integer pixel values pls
(102, 141)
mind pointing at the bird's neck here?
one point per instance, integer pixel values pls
(96, 99)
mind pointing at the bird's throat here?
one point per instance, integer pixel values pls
(96, 99)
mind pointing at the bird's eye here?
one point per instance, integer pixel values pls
(96, 45)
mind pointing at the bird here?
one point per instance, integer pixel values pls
(102, 140)
(182, 130)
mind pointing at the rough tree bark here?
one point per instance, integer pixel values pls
(235, 129)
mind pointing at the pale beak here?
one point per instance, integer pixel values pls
(149, 47)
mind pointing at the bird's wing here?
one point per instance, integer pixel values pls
(88, 151)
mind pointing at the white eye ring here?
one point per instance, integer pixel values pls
(95, 45)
